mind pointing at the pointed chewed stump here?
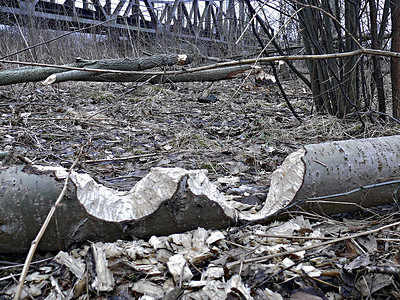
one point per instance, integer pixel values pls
(326, 178)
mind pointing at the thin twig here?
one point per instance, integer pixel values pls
(333, 18)
(267, 257)
(119, 158)
(23, 37)
(56, 38)
(12, 276)
(278, 82)
(17, 265)
(238, 245)
(291, 237)
(220, 65)
(42, 230)
(386, 115)
(67, 119)
(268, 31)
(366, 187)
(248, 24)
(136, 87)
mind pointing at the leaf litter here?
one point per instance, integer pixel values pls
(239, 139)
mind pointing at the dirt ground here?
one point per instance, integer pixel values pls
(247, 131)
(126, 129)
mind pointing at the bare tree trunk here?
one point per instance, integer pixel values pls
(334, 82)
(350, 73)
(309, 24)
(395, 62)
(317, 37)
(330, 6)
(375, 44)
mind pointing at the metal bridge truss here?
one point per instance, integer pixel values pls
(218, 20)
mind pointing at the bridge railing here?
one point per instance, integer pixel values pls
(201, 19)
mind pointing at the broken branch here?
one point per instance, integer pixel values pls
(82, 68)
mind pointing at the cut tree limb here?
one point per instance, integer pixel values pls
(33, 74)
(335, 168)
(204, 75)
(170, 200)
(19, 77)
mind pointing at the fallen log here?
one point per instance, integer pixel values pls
(170, 200)
(204, 75)
(34, 74)
(166, 200)
(335, 177)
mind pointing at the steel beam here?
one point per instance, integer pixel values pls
(216, 19)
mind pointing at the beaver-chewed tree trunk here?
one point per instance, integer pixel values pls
(337, 177)
(165, 201)
(323, 178)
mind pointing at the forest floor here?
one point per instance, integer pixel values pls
(246, 133)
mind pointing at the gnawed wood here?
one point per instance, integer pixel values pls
(338, 170)
(165, 201)
(171, 200)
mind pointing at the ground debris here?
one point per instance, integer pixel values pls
(240, 140)
(214, 264)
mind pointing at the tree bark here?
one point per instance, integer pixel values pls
(395, 62)
(322, 178)
(338, 170)
(377, 73)
(205, 75)
(34, 74)
(167, 200)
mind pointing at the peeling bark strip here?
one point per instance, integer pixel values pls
(171, 200)
(33, 74)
